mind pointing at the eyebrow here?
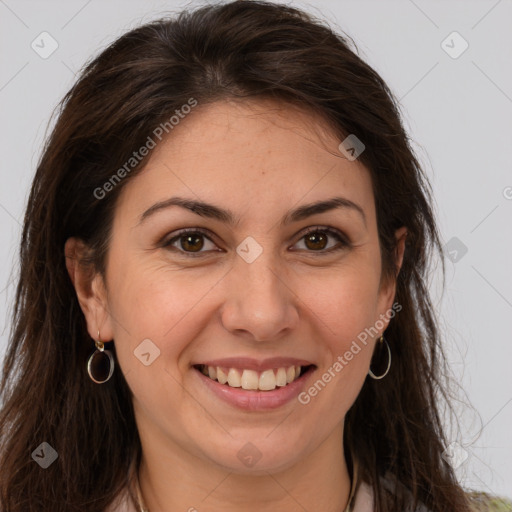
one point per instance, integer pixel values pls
(226, 216)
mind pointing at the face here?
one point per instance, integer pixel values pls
(275, 287)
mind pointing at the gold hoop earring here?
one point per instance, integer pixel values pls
(100, 365)
(378, 377)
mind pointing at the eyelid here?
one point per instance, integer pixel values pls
(167, 242)
(329, 229)
(342, 238)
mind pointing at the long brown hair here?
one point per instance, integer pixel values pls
(239, 50)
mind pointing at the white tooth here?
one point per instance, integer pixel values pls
(290, 374)
(221, 375)
(212, 372)
(267, 380)
(204, 370)
(234, 378)
(281, 377)
(249, 379)
(297, 371)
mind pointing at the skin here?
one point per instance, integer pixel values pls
(260, 160)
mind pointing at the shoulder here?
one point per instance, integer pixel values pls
(363, 499)
(123, 503)
(484, 502)
(479, 501)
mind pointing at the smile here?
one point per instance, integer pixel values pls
(252, 380)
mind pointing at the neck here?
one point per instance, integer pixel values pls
(320, 481)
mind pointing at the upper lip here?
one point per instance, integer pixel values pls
(248, 363)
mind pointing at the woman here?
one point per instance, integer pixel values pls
(221, 303)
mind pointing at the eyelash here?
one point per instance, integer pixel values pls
(343, 241)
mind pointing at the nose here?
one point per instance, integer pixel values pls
(259, 300)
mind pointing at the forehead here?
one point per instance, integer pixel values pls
(259, 156)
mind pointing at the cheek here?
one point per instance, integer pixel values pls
(345, 299)
(343, 306)
(344, 317)
(164, 305)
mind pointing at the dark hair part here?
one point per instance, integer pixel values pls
(230, 51)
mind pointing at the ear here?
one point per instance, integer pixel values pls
(387, 289)
(90, 289)
(400, 236)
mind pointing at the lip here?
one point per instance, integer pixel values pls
(255, 400)
(247, 363)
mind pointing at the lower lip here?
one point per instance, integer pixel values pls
(256, 400)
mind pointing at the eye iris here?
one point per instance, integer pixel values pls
(188, 240)
(193, 242)
(314, 238)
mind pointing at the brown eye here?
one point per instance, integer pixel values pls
(191, 242)
(188, 241)
(316, 239)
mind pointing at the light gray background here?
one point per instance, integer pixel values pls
(458, 112)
